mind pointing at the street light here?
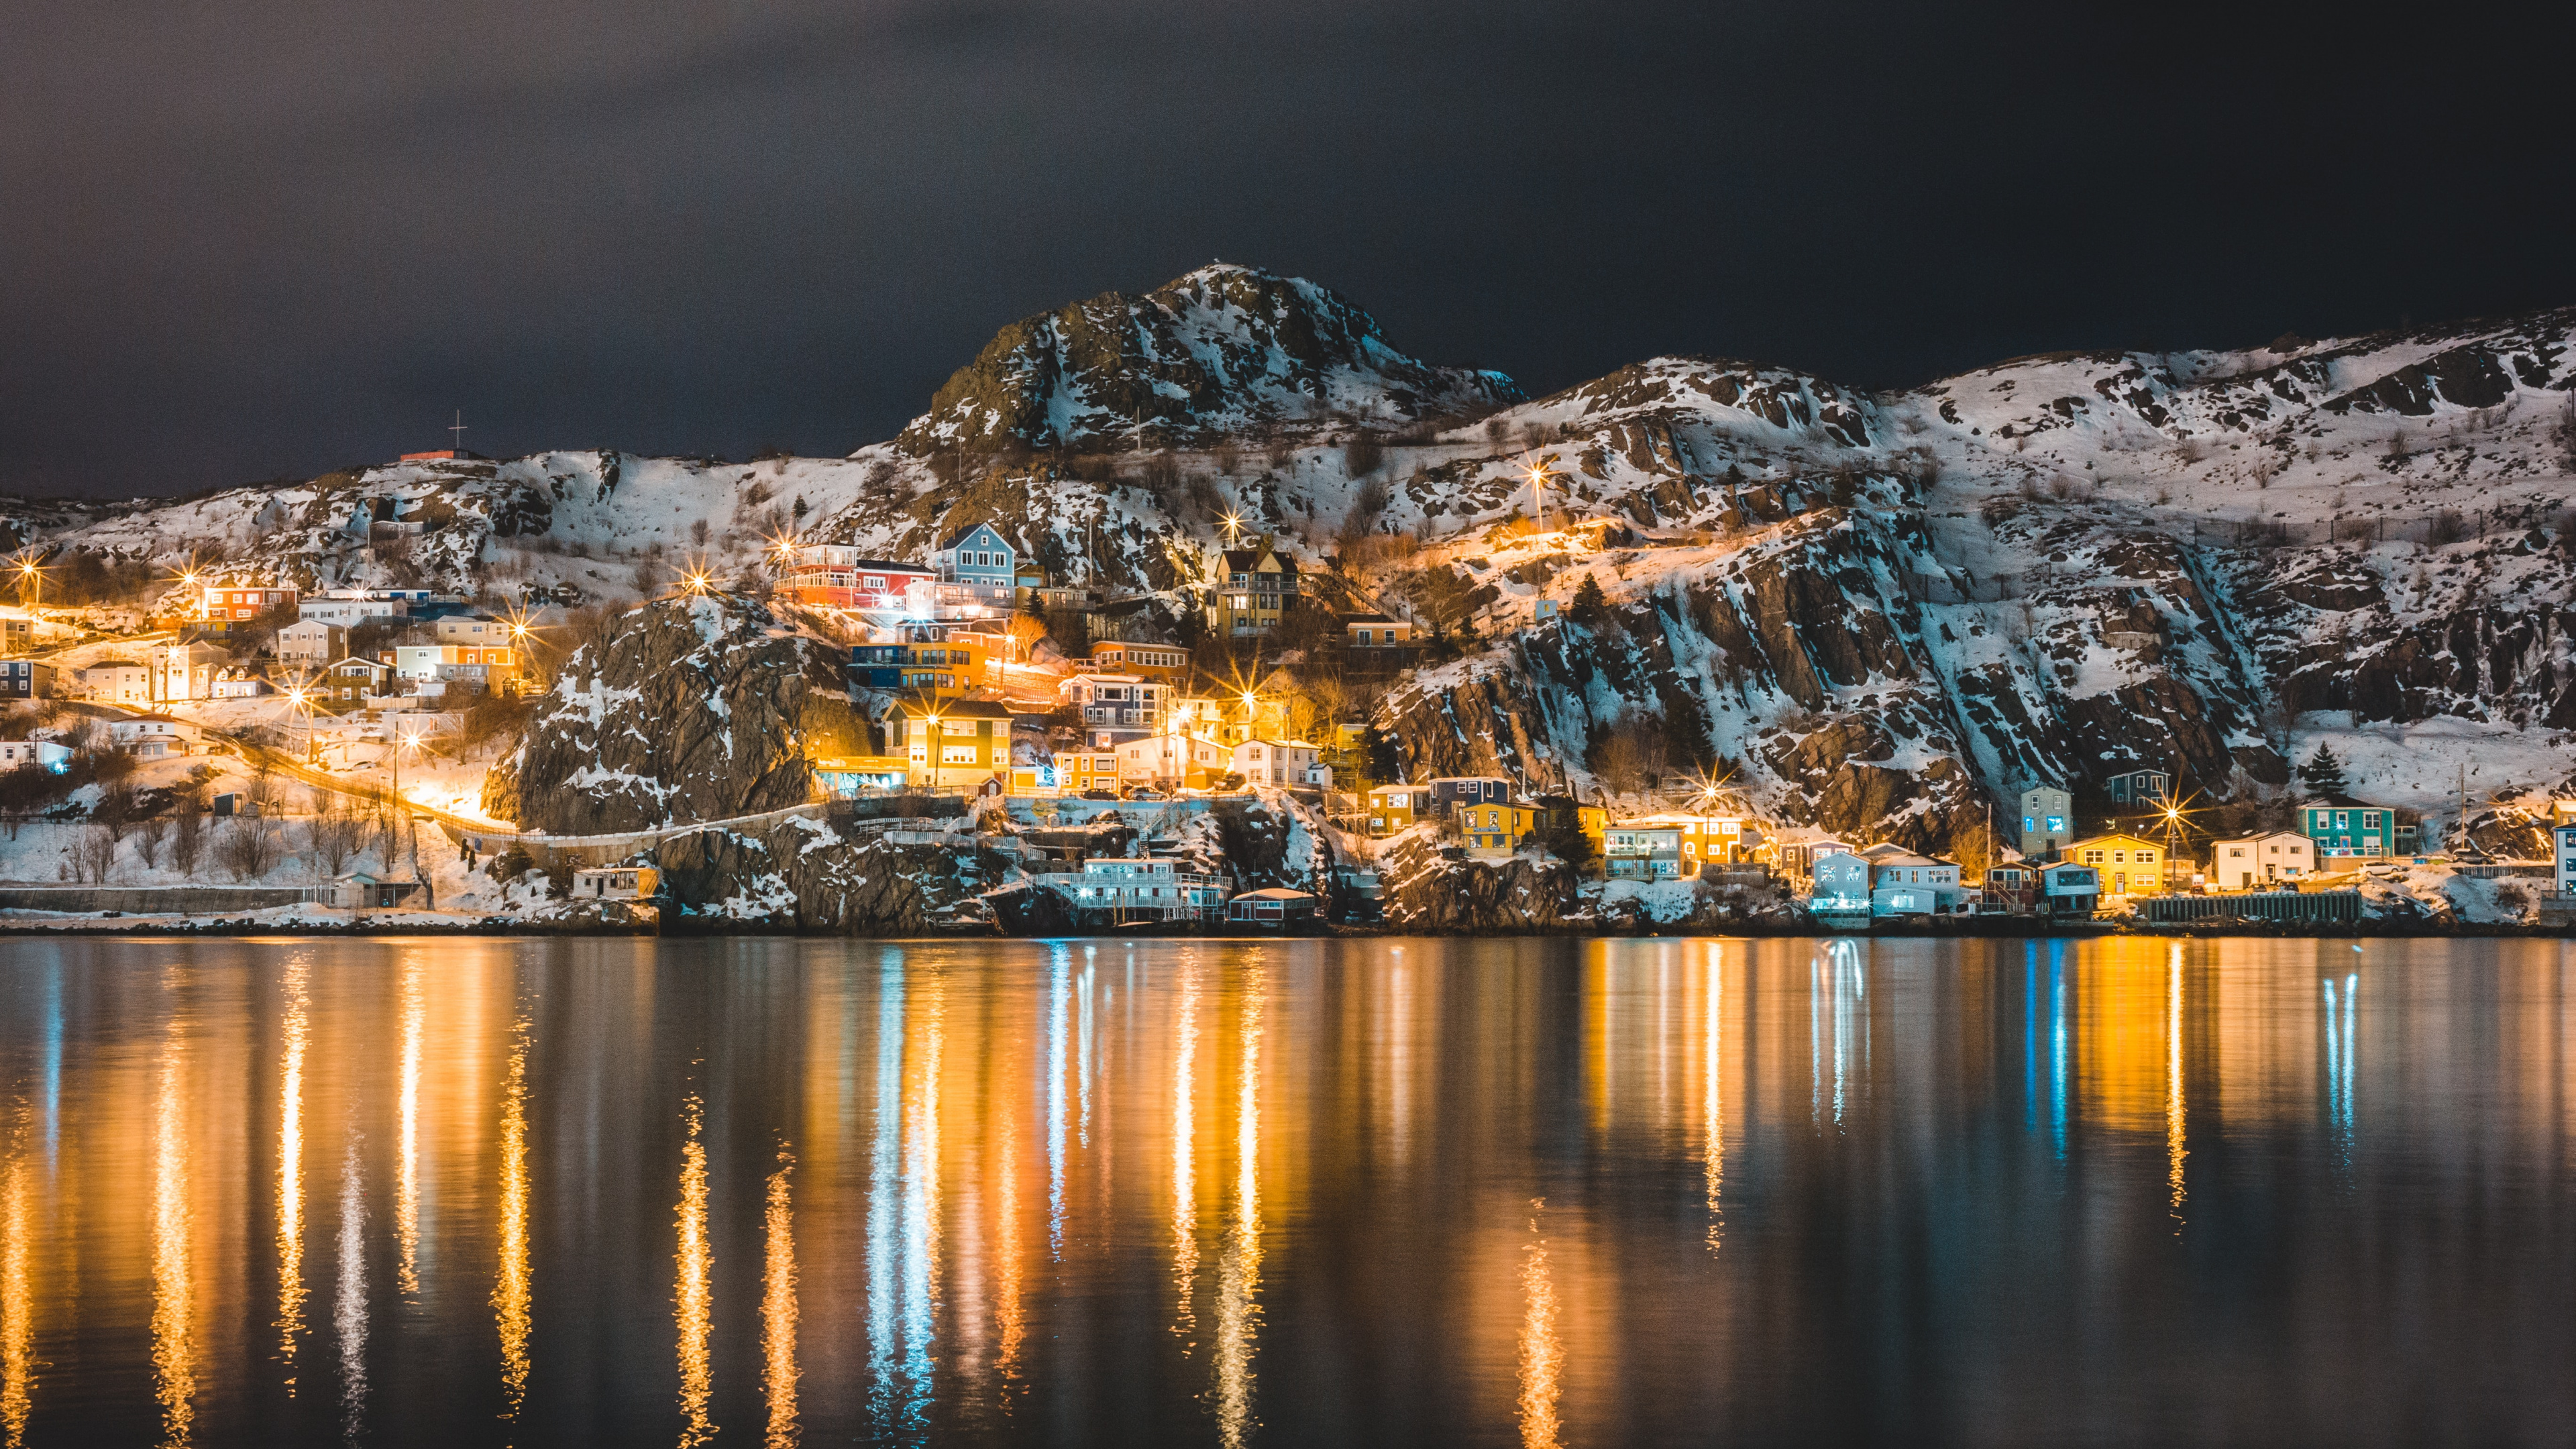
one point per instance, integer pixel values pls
(1233, 525)
(31, 582)
(1538, 476)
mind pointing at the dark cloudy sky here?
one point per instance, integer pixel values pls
(271, 237)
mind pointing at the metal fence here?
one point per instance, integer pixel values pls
(2302, 907)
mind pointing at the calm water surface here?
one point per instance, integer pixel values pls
(1649, 1192)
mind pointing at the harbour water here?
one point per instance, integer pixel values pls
(465, 1192)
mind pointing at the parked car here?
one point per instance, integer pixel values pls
(1099, 794)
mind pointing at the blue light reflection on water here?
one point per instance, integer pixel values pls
(1377, 1292)
(1059, 962)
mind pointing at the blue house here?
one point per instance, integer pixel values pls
(2343, 826)
(981, 563)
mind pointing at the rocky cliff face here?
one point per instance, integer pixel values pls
(701, 708)
(804, 875)
(1421, 888)
(1223, 351)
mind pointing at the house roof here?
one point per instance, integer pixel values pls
(1367, 619)
(1276, 893)
(957, 708)
(2340, 802)
(2116, 837)
(961, 535)
(1249, 559)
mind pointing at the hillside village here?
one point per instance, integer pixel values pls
(1208, 609)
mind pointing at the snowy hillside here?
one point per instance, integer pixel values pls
(1882, 609)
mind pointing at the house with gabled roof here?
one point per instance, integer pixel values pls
(978, 565)
(1256, 587)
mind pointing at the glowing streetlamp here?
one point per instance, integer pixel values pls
(31, 582)
(1233, 526)
(300, 700)
(696, 581)
(1538, 476)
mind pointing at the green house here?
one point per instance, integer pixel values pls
(2342, 826)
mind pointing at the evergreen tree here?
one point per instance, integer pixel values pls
(2323, 773)
(1590, 606)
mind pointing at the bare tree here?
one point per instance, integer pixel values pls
(249, 848)
(150, 834)
(93, 856)
(187, 840)
(1634, 755)
(115, 811)
(331, 837)
(266, 794)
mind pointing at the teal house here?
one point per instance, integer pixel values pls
(2343, 826)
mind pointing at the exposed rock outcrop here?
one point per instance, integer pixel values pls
(1424, 887)
(702, 708)
(803, 875)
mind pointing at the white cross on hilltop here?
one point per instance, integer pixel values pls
(456, 432)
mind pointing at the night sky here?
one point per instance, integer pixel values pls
(274, 237)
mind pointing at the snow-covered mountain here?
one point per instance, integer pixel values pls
(1885, 610)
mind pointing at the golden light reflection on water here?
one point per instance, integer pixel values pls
(1702, 1065)
(1542, 1353)
(2174, 1150)
(920, 1222)
(290, 1169)
(510, 1290)
(349, 1316)
(17, 1306)
(407, 1177)
(174, 1344)
(1239, 1274)
(693, 1304)
(1713, 1095)
(1185, 1191)
(778, 1310)
(1008, 1313)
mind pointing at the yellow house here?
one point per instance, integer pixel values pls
(1254, 590)
(1079, 770)
(1495, 829)
(2128, 865)
(960, 742)
(1395, 807)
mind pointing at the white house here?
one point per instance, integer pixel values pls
(153, 736)
(1141, 888)
(40, 754)
(117, 681)
(1191, 762)
(349, 610)
(2047, 821)
(239, 683)
(186, 671)
(2257, 862)
(470, 629)
(616, 883)
(1279, 762)
(1904, 884)
(2565, 836)
(311, 643)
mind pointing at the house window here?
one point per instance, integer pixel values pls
(2093, 857)
(2370, 820)
(2343, 820)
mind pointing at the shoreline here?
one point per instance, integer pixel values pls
(389, 924)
